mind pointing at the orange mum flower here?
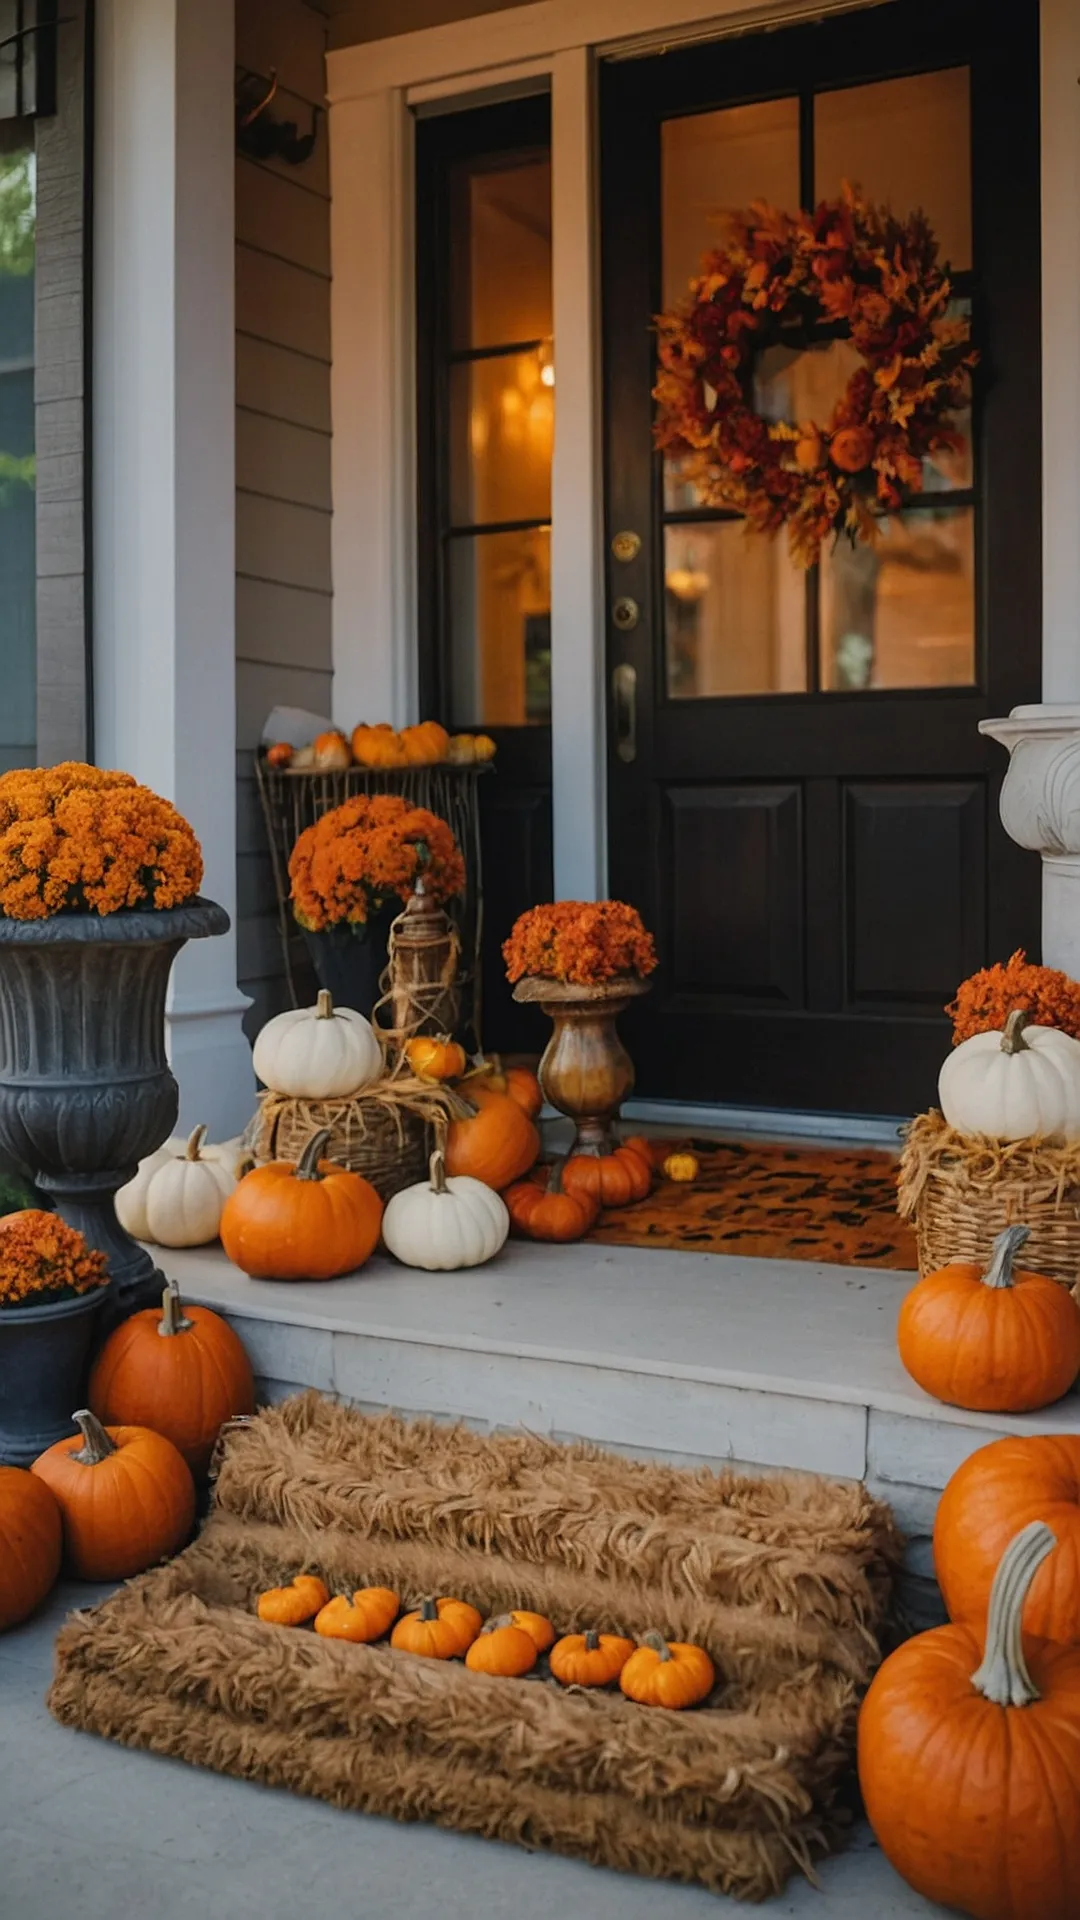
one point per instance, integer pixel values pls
(80, 839)
(984, 1002)
(579, 941)
(43, 1259)
(369, 851)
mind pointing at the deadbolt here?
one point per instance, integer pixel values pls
(625, 613)
(626, 546)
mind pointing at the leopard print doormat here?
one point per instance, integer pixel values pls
(785, 1580)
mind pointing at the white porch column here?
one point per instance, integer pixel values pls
(164, 476)
(1040, 801)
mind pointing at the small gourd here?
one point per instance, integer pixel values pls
(435, 1057)
(369, 1614)
(667, 1673)
(445, 1222)
(502, 1648)
(331, 752)
(318, 1053)
(536, 1625)
(1014, 1085)
(681, 1167)
(295, 1604)
(613, 1179)
(438, 1629)
(589, 1659)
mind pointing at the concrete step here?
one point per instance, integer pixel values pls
(689, 1357)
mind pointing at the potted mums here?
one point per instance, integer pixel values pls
(583, 962)
(51, 1286)
(99, 890)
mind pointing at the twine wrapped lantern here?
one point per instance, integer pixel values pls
(419, 982)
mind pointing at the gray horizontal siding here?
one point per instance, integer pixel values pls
(283, 585)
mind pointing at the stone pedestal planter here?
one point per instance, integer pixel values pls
(43, 1356)
(1040, 809)
(85, 1087)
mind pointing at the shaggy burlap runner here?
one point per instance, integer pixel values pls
(784, 1580)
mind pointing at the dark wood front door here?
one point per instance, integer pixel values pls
(800, 801)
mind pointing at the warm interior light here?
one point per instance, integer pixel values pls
(546, 354)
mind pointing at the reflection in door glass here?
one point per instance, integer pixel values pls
(734, 613)
(18, 569)
(500, 596)
(907, 144)
(901, 614)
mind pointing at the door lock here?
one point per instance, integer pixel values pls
(626, 613)
(626, 546)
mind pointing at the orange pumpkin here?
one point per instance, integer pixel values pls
(497, 1145)
(378, 746)
(484, 747)
(611, 1179)
(330, 752)
(435, 1057)
(294, 1605)
(502, 1648)
(367, 1616)
(182, 1371)
(999, 1341)
(520, 1083)
(31, 1539)
(680, 1167)
(544, 1211)
(995, 1492)
(969, 1758)
(425, 745)
(280, 754)
(589, 1659)
(667, 1673)
(126, 1498)
(308, 1222)
(437, 1630)
(536, 1625)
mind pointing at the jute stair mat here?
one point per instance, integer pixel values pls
(784, 1580)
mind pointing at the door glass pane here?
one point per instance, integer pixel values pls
(500, 255)
(500, 597)
(902, 614)
(715, 163)
(18, 567)
(734, 613)
(502, 417)
(906, 143)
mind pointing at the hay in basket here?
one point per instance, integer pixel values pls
(785, 1580)
(386, 1132)
(961, 1189)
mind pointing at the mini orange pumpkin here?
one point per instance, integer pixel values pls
(681, 1167)
(667, 1673)
(502, 1648)
(378, 746)
(31, 1538)
(969, 1758)
(279, 755)
(308, 1222)
(291, 1606)
(994, 1492)
(435, 1058)
(545, 1211)
(1003, 1341)
(367, 1616)
(331, 752)
(182, 1371)
(126, 1497)
(484, 747)
(611, 1179)
(497, 1145)
(536, 1625)
(589, 1659)
(438, 1629)
(520, 1083)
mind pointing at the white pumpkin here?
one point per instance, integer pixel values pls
(1014, 1085)
(444, 1223)
(130, 1202)
(184, 1198)
(318, 1053)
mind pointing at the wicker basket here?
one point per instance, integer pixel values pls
(962, 1189)
(385, 1136)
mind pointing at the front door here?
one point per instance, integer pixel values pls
(800, 802)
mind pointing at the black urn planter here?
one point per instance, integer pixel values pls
(350, 964)
(43, 1356)
(85, 1087)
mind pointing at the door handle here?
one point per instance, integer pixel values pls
(624, 698)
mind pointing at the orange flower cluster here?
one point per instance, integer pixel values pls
(371, 850)
(78, 839)
(984, 1002)
(43, 1259)
(775, 280)
(582, 942)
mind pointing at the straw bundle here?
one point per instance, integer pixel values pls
(961, 1189)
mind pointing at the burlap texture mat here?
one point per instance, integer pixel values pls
(785, 1580)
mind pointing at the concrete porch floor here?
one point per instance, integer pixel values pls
(91, 1829)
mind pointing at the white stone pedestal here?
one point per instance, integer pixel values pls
(1040, 809)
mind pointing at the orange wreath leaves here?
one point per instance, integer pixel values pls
(81, 839)
(780, 277)
(366, 852)
(984, 1002)
(42, 1258)
(583, 942)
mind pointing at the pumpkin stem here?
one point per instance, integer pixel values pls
(96, 1445)
(437, 1171)
(173, 1318)
(428, 1610)
(500, 1620)
(555, 1184)
(324, 1005)
(307, 1167)
(191, 1151)
(1003, 1678)
(592, 1640)
(1012, 1040)
(657, 1642)
(1003, 1257)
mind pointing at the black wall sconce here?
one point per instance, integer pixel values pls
(259, 133)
